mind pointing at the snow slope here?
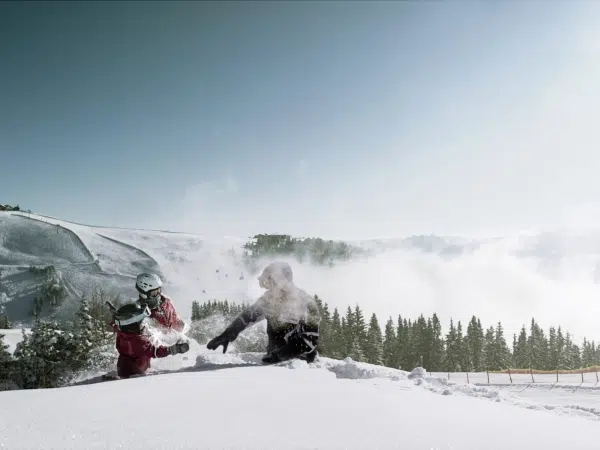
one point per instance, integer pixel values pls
(230, 404)
(192, 268)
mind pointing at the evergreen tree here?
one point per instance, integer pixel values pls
(453, 350)
(490, 348)
(85, 336)
(501, 352)
(374, 346)
(520, 350)
(554, 350)
(402, 342)
(360, 331)
(45, 356)
(475, 344)
(538, 346)
(587, 353)
(437, 345)
(6, 362)
(337, 336)
(324, 328)
(196, 311)
(4, 322)
(349, 327)
(390, 358)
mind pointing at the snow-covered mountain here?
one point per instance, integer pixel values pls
(552, 276)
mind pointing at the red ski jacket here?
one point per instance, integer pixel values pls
(135, 352)
(166, 316)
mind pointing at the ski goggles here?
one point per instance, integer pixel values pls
(154, 293)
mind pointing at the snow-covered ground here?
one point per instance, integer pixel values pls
(227, 402)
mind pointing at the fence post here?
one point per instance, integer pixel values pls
(557, 374)
(488, 375)
(597, 376)
(448, 375)
(582, 374)
(531, 373)
(468, 382)
(509, 375)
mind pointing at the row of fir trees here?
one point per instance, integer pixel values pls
(405, 343)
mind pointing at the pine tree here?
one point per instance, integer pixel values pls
(489, 348)
(374, 346)
(349, 327)
(4, 322)
(324, 348)
(538, 346)
(6, 362)
(402, 342)
(475, 343)
(587, 353)
(336, 343)
(453, 350)
(437, 347)
(87, 335)
(520, 350)
(360, 330)
(45, 357)
(390, 358)
(501, 352)
(196, 311)
(554, 350)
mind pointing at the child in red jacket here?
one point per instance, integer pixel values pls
(149, 287)
(134, 347)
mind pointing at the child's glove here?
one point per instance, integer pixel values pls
(179, 347)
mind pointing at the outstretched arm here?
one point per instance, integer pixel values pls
(247, 318)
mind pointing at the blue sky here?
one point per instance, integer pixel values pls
(333, 119)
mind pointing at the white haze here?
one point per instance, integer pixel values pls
(495, 282)
(491, 284)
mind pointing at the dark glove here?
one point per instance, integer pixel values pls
(179, 347)
(223, 339)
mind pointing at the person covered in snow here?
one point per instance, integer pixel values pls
(292, 318)
(149, 287)
(134, 345)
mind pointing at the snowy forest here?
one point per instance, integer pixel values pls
(408, 343)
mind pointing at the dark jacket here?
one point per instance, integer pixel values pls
(292, 321)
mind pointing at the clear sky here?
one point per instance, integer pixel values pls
(333, 119)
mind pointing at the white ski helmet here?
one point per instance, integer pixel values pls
(149, 285)
(275, 274)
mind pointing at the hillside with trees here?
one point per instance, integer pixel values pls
(312, 250)
(9, 208)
